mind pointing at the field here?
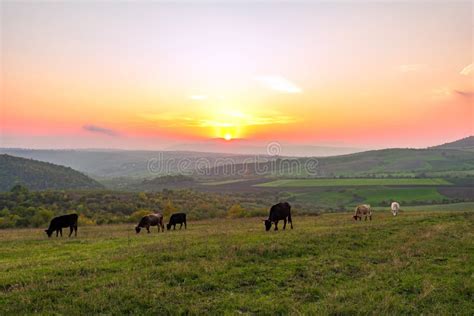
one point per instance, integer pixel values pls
(466, 206)
(371, 195)
(353, 182)
(416, 263)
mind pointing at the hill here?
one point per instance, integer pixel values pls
(386, 162)
(105, 165)
(38, 175)
(461, 144)
(102, 164)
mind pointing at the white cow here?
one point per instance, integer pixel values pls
(395, 208)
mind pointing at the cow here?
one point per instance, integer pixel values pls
(155, 219)
(395, 206)
(362, 210)
(280, 211)
(177, 218)
(58, 223)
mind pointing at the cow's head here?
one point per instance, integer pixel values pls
(355, 217)
(268, 224)
(137, 229)
(48, 232)
(168, 226)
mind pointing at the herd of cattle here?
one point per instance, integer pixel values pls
(278, 212)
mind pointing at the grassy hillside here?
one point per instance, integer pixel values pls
(382, 163)
(456, 158)
(106, 164)
(351, 182)
(415, 263)
(37, 175)
(461, 144)
(375, 196)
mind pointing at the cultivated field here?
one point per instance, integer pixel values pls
(353, 182)
(418, 262)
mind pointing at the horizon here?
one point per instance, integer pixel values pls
(263, 150)
(152, 76)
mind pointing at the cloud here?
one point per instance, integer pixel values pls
(466, 71)
(465, 94)
(99, 130)
(441, 92)
(198, 97)
(411, 67)
(278, 83)
(222, 119)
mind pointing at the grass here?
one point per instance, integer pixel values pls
(371, 195)
(464, 206)
(352, 182)
(222, 182)
(415, 263)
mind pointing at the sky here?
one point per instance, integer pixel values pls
(152, 75)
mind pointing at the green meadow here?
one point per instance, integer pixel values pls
(355, 182)
(352, 196)
(419, 262)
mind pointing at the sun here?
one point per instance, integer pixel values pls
(227, 136)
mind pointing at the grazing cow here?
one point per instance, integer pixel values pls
(280, 211)
(395, 208)
(58, 223)
(362, 210)
(177, 218)
(151, 220)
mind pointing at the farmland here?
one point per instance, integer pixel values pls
(418, 262)
(353, 182)
(370, 195)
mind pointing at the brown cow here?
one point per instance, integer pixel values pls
(151, 220)
(362, 210)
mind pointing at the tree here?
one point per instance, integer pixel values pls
(236, 211)
(169, 208)
(43, 216)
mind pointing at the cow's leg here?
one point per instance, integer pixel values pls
(61, 232)
(57, 232)
(276, 225)
(148, 228)
(185, 225)
(71, 228)
(174, 227)
(181, 226)
(75, 231)
(284, 224)
(162, 227)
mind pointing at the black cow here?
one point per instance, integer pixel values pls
(177, 218)
(151, 220)
(280, 211)
(58, 223)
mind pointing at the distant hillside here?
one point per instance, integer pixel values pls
(386, 162)
(462, 144)
(122, 166)
(102, 164)
(37, 175)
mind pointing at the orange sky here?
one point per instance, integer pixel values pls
(150, 75)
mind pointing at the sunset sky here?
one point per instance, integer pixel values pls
(150, 75)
